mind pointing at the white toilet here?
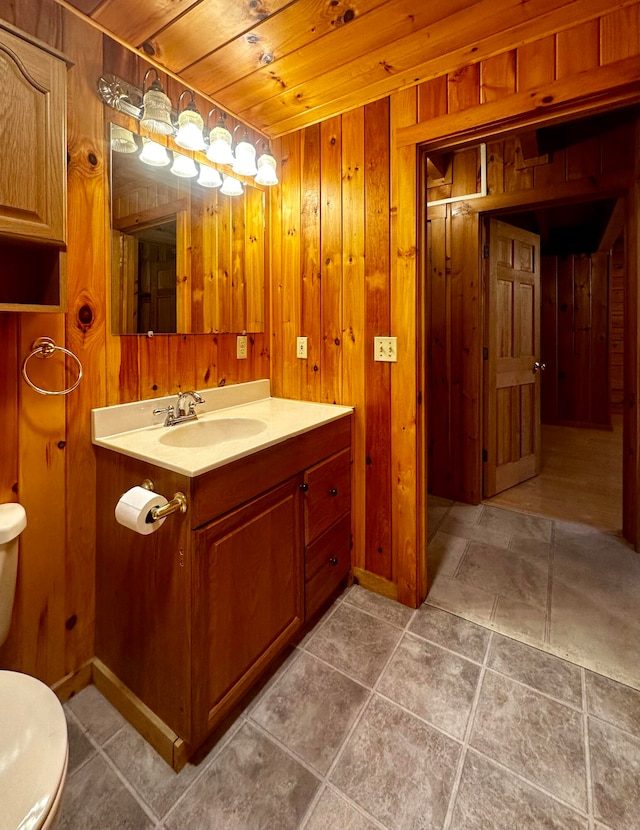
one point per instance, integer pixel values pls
(33, 729)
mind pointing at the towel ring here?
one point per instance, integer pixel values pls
(44, 347)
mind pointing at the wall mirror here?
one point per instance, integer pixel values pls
(186, 257)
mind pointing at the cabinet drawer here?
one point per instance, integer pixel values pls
(327, 561)
(328, 493)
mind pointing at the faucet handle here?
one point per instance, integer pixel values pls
(169, 410)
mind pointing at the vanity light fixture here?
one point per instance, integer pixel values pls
(190, 125)
(245, 161)
(209, 176)
(231, 187)
(156, 107)
(154, 154)
(122, 140)
(183, 166)
(220, 141)
(267, 167)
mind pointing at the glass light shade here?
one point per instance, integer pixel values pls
(231, 187)
(220, 145)
(189, 133)
(154, 154)
(122, 140)
(183, 166)
(266, 170)
(156, 111)
(245, 163)
(209, 177)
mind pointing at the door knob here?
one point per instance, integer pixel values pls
(539, 366)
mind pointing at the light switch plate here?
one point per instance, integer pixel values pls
(241, 346)
(385, 349)
(301, 347)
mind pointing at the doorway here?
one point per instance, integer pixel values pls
(556, 439)
(547, 189)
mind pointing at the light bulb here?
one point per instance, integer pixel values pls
(231, 187)
(183, 166)
(209, 177)
(154, 154)
(266, 170)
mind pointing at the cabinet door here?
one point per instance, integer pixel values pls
(247, 597)
(33, 157)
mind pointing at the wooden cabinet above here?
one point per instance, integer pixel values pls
(33, 173)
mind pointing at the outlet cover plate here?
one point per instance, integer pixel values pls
(241, 346)
(385, 349)
(301, 347)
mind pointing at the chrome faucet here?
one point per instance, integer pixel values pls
(178, 414)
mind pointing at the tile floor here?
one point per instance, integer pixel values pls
(382, 717)
(566, 588)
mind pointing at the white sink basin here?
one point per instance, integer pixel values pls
(208, 433)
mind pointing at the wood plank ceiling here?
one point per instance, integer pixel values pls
(279, 65)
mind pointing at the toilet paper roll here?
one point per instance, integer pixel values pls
(133, 510)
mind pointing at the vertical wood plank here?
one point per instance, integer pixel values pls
(498, 77)
(311, 263)
(549, 339)
(620, 34)
(353, 310)
(599, 405)
(536, 63)
(276, 289)
(582, 338)
(566, 329)
(407, 462)
(463, 88)
(432, 98)
(378, 552)
(290, 276)
(86, 331)
(331, 241)
(578, 49)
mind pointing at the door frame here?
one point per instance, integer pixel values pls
(505, 203)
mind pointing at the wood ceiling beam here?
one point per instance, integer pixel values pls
(451, 44)
(614, 84)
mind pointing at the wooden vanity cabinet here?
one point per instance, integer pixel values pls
(188, 618)
(33, 173)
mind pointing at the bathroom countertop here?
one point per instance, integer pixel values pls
(132, 429)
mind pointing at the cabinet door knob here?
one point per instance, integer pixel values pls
(333, 492)
(304, 487)
(333, 560)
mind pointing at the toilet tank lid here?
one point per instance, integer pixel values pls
(13, 520)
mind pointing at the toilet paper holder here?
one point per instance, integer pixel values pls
(177, 504)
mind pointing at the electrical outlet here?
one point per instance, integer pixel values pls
(301, 347)
(241, 346)
(385, 349)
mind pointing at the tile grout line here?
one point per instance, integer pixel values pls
(149, 812)
(587, 750)
(326, 778)
(467, 735)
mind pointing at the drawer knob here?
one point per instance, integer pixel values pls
(333, 560)
(304, 487)
(333, 492)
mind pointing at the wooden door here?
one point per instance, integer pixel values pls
(512, 351)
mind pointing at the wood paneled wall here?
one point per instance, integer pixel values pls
(47, 460)
(574, 341)
(344, 259)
